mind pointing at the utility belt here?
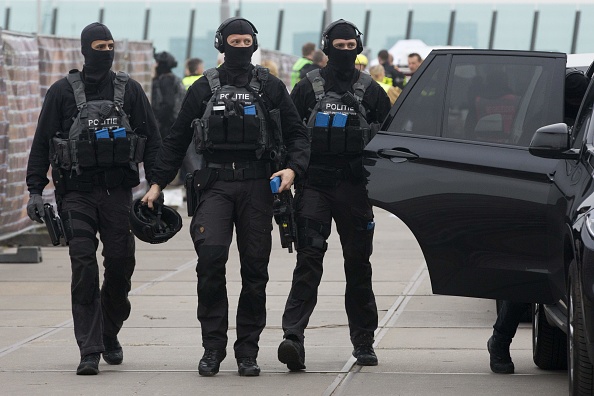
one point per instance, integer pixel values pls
(202, 179)
(70, 154)
(237, 171)
(331, 176)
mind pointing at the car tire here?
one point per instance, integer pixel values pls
(549, 343)
(580, 370)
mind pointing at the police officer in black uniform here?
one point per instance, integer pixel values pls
(342, 108)
(95, 126)
(236, 112)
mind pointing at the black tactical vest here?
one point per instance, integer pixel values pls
(101, 135)
(235, 118)
(337, 124)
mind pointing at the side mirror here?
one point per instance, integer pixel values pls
(552, 141)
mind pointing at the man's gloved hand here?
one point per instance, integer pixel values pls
(35, 208)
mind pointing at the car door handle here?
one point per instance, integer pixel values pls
(397, 153)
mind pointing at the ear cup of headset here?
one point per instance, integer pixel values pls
(324, 43)
(219, 42)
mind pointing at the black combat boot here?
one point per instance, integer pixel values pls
(248, 367)
(292, 353)
(113, 354)
(210, 362)
(365, 355)
(89, 364)
(500, 359)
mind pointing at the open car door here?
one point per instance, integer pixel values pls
(452, 162)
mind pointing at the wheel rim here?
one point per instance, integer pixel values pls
(570, 336)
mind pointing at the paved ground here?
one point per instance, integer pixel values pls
(426, 344)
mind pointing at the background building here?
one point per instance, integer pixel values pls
(505, 24)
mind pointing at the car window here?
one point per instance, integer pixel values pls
(500, 99)
(420, 112)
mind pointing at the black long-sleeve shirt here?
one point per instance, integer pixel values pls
(176, 143)
(58, 113)
(375, 101)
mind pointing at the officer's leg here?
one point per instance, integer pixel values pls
(504, 329)
(118, 253)
(79, 214)
(313, 223)
(254, 240)
(354, 223)
(212, 231)
(508, 320)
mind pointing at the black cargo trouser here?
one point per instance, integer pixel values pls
(97, 312)
(349, 206)
(508, 319)
(246, 204)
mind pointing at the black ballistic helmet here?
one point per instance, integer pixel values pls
(154, 226)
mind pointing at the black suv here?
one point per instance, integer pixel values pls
(475, 158)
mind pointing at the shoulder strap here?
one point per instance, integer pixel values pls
(212, 75)
(317, 83)
(361, 86)
(119, 87)
(79, 89)
(259, 78)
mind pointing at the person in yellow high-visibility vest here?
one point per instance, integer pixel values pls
(378, 74)
(194, 70)
(307, 53)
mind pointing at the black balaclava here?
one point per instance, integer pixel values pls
(237, 59)
(165, 62)
(342, 62)
(97, 63)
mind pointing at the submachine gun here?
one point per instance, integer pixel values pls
(284, 215)
(54, 225)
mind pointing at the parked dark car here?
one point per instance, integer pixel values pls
(475, 158)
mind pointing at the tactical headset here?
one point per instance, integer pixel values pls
(325, 40)
(219, 43)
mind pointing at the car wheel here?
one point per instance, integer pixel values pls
(549, 343)
(580, 370)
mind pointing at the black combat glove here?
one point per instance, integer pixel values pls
(35, 208)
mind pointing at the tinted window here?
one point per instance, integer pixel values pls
(420, 112)
(500, 99)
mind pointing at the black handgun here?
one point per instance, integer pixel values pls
(284, 215)
(54, 225)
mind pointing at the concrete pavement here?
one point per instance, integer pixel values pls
(426, 344)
